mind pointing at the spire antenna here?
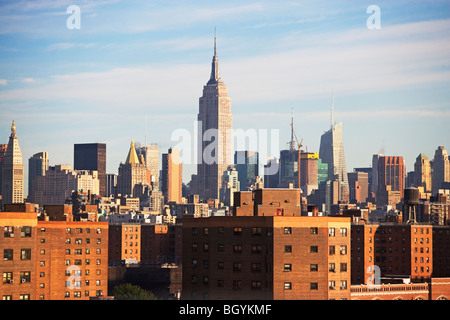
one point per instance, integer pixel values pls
(215, 43)
(332, 109)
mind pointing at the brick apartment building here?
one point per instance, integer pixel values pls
(266, 251)
(52, 260)
(145, 243)
(399, 250)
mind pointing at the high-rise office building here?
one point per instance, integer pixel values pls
(59, 182)
(151, 157)
(441, 169)
(422, 172)
(359, 186)
(271, 173)
(92, 156)
(12, 171)
(133, 175)
(37, 166)
(171, 175)
(391, 180)
(247, 166)
(331, 152)
(214, 134)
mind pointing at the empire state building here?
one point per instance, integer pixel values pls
(214, 133)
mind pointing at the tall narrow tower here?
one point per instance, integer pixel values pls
(214, 133)
(332, 153)
(12, 171)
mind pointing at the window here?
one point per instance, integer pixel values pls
(256, 267)
(78, 241)
(237, 284)
(220, 283)
(343, 232)
(256, 248)
(221, 230)
(343, 267)
(24, 297)
(7, 277)
(25, 232)
(194, 231)
(205, 247)
(314, 230)
(25, 254)
(256, 231)
(220, 247)
(220, 265)
(194, 263)
(194, 247)
(343, 284)
(314, 286)
(287, 267)
(314, 267)
(314, 249)
(237, 266)
(256, 285)
(7, 254)
(288, 249)
(8, 232)
(332, 285)
(99, 230)
(287, 285)
(287, 230)
(331, 250)
(331, 232)
(205, 231)
(343, 250)
(237, 231)
(332, 267)
(237, 248)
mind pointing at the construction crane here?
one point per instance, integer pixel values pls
(299, 146)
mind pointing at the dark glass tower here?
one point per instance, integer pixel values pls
(92, 156)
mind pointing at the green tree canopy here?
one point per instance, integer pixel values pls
(127, 291)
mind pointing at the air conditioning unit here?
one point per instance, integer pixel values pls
(24, 280)
(11, 281)
(11, 235)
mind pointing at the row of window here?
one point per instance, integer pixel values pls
(257, 285)
(257, 231)
(78, 241)
(257, 266)
(25, 231)
(25, 254)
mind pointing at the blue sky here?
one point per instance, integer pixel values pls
(133, 63)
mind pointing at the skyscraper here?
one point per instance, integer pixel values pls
(12, 171)
(391, 180)
(133, 175)
(171, 176)
(247, 166)
(92, 156)
(214, 133)
(151, 156)
(441, 169)
(331, 152)
(422, 172)
(37, 166)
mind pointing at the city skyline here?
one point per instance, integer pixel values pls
(113, 82)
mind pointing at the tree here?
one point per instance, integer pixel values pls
(127, 291)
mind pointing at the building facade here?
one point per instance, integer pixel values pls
(214, 134)
(58, 183)
(171, 176)
(92, 157)
(391, 180)
(12, 171)
(266, 257)
(52, 260)
(37, 166)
